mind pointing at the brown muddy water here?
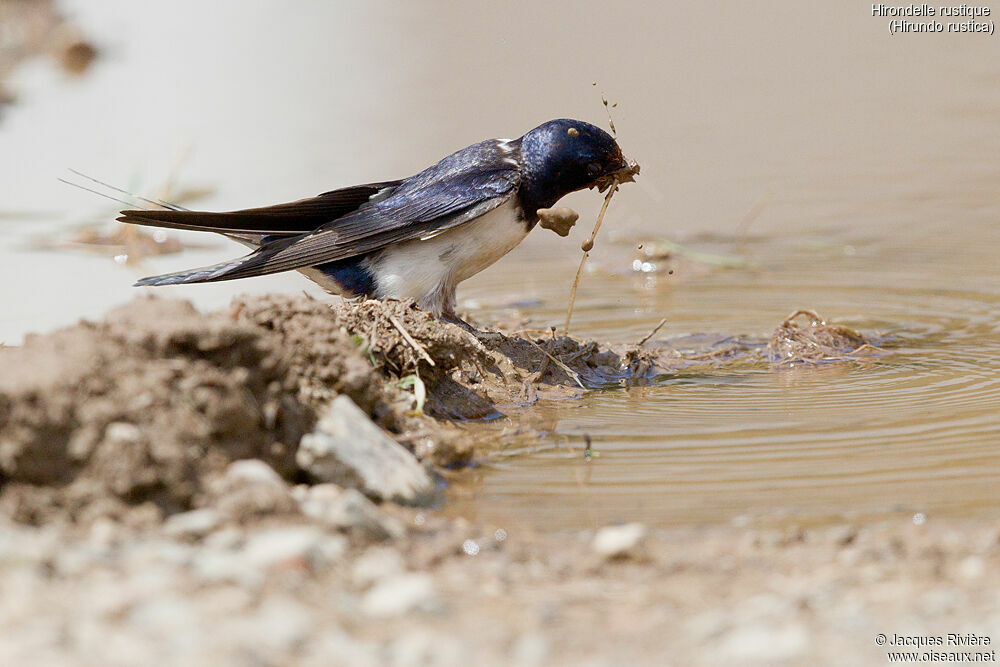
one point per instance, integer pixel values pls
(847, 171)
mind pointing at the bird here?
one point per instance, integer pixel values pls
(413, 238)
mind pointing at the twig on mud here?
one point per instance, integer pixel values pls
(589, 348)
(409, 339)
(542, 369)
(651, 333)
(587, 246)
(569, 371)
(813, 316)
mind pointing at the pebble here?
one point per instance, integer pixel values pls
(971, 568)
(376, 564)
(418, 647)
(251, 487)
(348, 449)
(253, 471)
(349, 509)
(276, 545)
(401, 594)
(764, 643)
(192, 525)
(531, 648)
(280, 623)
(215, 566)
(627, 540)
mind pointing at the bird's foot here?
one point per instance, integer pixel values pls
(482, 336)
(452, 318)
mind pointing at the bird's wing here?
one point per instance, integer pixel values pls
(291, 219)
(460, 188)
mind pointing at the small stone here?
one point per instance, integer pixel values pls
(418, 646)
(104, 533)
(622, 541)
(227, 538)
(253, 471)
(219, 566)
(122, 434)
(281, 623)
(348, 449)
(193, 524)
(251, 488)
(349, 509)
(971, 568)
(763, 643)
(401, 594)
(530, 649)
(318, 501)
(169, 613)
(376, 564)
(280, 545)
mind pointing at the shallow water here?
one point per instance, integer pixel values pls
(874, 159)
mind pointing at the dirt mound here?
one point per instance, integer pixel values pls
(147, 407)
(141, 408)
(150, 405)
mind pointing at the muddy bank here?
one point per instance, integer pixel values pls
(144, 409)
(140, 414)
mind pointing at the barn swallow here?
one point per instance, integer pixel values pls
(418, 237)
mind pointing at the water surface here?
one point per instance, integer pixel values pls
(870, 160)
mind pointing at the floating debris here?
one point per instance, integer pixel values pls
(816, 341)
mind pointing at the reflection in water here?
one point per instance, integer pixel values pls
(848, 172)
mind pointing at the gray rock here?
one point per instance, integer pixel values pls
(620, 541)
(400, 594)
(348, 449)
(318, 502)
(251, 488)
(193, 524)
(349, 509)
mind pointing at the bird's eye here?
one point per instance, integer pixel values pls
(593, 169)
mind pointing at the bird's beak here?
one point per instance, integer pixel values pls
(628, 171)
(624, 174)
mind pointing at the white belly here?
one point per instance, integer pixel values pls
(429, 270)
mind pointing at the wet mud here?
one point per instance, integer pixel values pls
(138, 414)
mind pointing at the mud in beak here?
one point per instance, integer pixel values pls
(625, 174)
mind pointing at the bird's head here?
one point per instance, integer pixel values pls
(562, 156)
